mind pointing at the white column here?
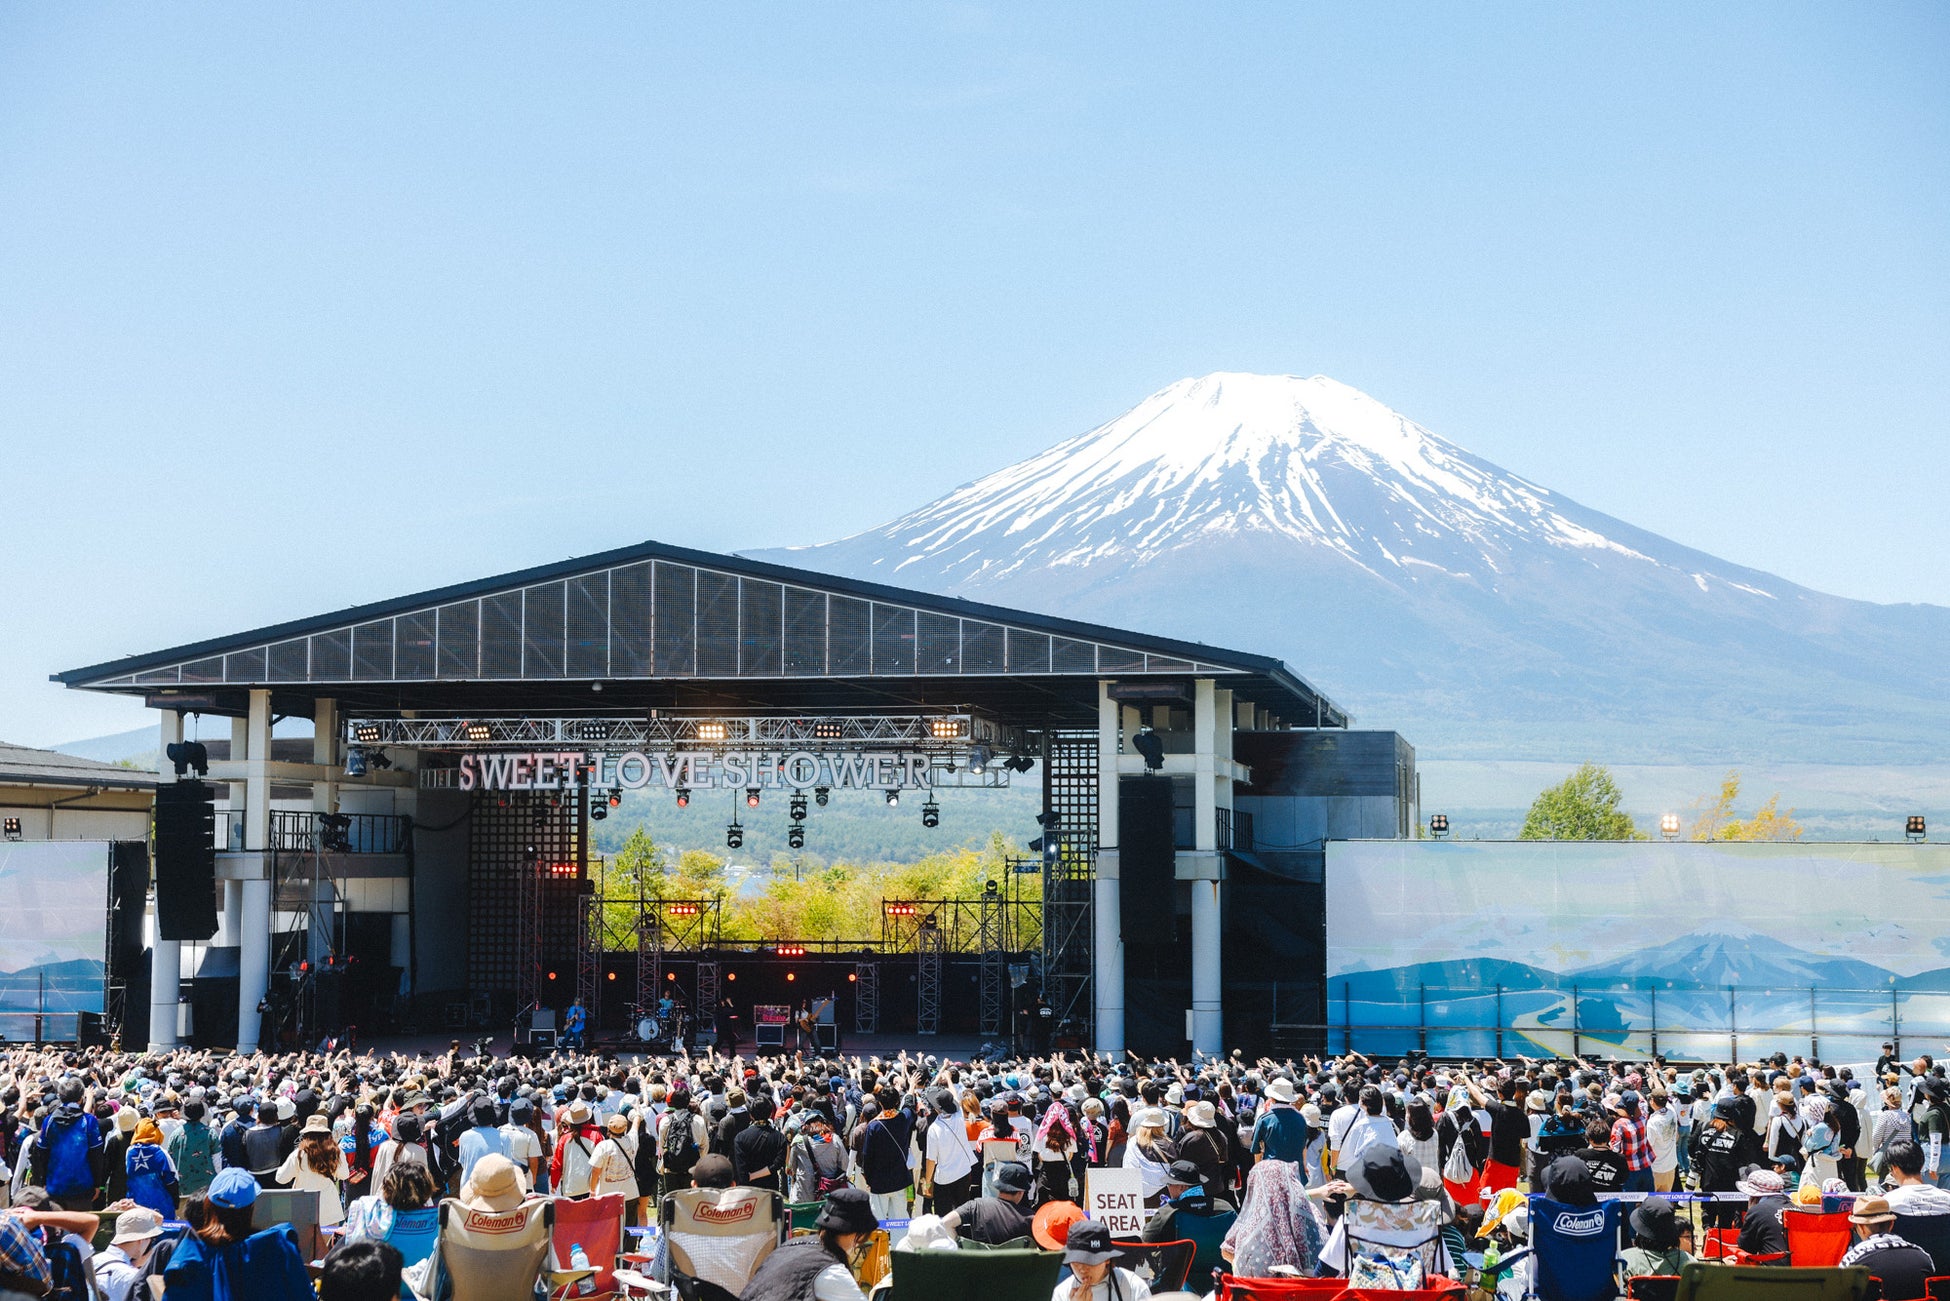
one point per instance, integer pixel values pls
(325, 752)
(230, 924)
(1208, 1025)
(254, 953)
(1109, 928)
(165, 956)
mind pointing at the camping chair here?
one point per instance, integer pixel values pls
(1936, 1288)
(1392, 1229)
(1817, 1239)
(489, 1255)
(717, 1237)
(1164, 1266)
(1574, 1248)
(1232, 1288)
(1720, 1244)
(1208, 1234)
(800, 1215)
(596, 1223)
(975, 1276)
(1702, 1282)
(1931, 1233)
(1438, 1289)
(1652, 1287)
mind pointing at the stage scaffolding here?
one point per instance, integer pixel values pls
(646, 927)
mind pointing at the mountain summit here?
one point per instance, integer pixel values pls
(1424, 587)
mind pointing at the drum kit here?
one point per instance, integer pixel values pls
(664, 1024)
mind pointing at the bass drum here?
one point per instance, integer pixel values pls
(646, 1029)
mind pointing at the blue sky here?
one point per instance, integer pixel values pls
(303, 306)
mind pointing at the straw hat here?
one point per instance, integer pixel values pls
(495, 1185)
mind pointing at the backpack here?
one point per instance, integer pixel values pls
(680, 1142)
(73, 1280)
(195, 1157)
(64, 1155)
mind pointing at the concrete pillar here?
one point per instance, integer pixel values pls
(325, 752)
(230, 924)
(1108, 900)
(1211, 764)
(254, 952)
(165, 956)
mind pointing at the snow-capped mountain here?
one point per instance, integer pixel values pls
(1729, 953)
(1424, 587)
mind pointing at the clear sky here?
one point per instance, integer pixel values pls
(305, 305)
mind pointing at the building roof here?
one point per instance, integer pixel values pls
(22, 765)
(654, 624)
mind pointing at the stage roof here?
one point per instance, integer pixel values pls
(658, 626)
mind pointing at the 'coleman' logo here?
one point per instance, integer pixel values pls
(1585, 1225)
(495, 1222)
(725, 1214)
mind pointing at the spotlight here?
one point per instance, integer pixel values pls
(1915, 827)
(944, 729)
(683, 797)
(792, 950)
(791, 976)
(901, 910)
(978, 758)
(1438, 825)
(479, 732)
(1019, 763)
(366, 733)
(820, 795)
(598, 811)
(930, 814)
(828, 729)
(1049, 819)
(852, 977)
(1668, 825)
(795, 836)
(734, 836)
(893, 798)
(355, 762)
(187, 755)
(10, 828)
(592, 729)
(377, 759)
(551, 975)
(798, 807)
(612, 975)
(682, 910)
(710, 731)
(731, 975)
(616, 797)
(751, 797)
(670, 975)
(1152, 746)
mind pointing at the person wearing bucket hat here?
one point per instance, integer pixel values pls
(1762, 1232)
(1204, 1146)
(118, 1266)
(1051, 1227)
(1655, 1241)
(816, 1267)
(1903, 1267)
(495, 1186)
(1719, 1149)
(1093, 1276)
(1000, 1218)
(317, 1165)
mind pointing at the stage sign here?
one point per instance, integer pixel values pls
(698, 770)
(1114, 1197)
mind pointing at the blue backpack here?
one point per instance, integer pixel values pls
(72, 1281)
(69, 1171)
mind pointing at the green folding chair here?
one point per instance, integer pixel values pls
(1700, 1281)
(800, 1215)
(975, 1275)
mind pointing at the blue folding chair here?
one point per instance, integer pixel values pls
(1574, 1247)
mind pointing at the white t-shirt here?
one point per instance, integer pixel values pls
(296, 1172)
(1364, 1129)
(947, 1147)
(1662, 1132)
(1118, 1285)
(523, 1145)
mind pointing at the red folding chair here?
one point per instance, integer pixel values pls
(1721, 1244)
(1817, 1239)
(1280, 1289)
(1436, 1288)
(1937, 1287)
(596, 1223)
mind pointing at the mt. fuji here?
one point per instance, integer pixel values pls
(1421, 586)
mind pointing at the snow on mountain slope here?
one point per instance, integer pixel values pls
(1424, 587)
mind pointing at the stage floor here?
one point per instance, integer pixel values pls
(945, 1047)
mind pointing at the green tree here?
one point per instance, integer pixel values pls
(1717, 821)
(1584, 806)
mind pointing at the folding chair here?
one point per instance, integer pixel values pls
(490, 1255)
(1652, 1287)
(1937, 1287)
(596, 1223)
(1703, 1282)
(975, 1276)
(1574, 1249)
(1164, 1266)
(1816, 1238)
(1720, 1244)
(1438, 1289)
(1232, 1288)
(717, 1237)
(1393, 1229)
(1931, 1233)
(800, 1215)
(1208, 1233)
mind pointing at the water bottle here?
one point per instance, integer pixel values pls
(579, 1259)
(1491, 1256)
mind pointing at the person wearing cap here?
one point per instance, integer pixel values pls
(1187, 1199)
(817, 1267)
(1721, 1148)
(118, 1266)
(224, 1258)
(1281, 1133)
(1655, 1241)
(1762, 1232)
(1903, 1267)
(613, 1164)
(1090, 1253)
(1003, 1217)
(947, 1157)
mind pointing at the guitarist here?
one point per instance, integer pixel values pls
(804, 1021)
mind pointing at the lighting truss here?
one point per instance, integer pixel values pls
(952, 733)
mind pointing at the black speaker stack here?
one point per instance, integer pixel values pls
(186, 861)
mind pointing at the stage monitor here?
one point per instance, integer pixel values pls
(53, 934)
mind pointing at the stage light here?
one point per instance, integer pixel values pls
(893, 798)
(1915, 827)
(187, 755)
(710, 731)
(1019, 763)
(828, 729)
(944, 729)
(731, 975)
(820, 795)
(751, 797)
(978, 758)
(930, 814)
(734, 836)
(798, 807)
(1438, 825)
(10, 828)
(670, 975)
(795, 836)
(366, 733)
(616, 797)
(612, 975)
(1152, 746)
(1668, 825)
(792, 950)
(377, 759)
(901, 910)
(682, 910)
(480, 732)
(598, 811)
(355, 762)
(852, 976)
(790, 976)
(683, 797)
(551, 975)
(1049, 819)
(592, 729)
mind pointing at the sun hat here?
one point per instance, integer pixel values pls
(1088, 1243)
(1147, 1117)
(232, 1189)
(1281, 1090)
(1202, 1115)
(617, 1123)
(847, 1210)
(136, 1225)
(1653, 1220)
(127, 1118)
(20, 1254)
(1310, 1113)
(578, 1112)
(1012, 1177)
(495, 1185)
(316, 1124)
(286, 1109)
(1051, 1227)
(1761, 1183)
(1871, 1210)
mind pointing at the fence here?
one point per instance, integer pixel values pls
(1677, 1019)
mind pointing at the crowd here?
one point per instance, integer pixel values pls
(1257, 1161)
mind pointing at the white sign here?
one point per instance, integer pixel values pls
(1114, 1197)
(703, 770)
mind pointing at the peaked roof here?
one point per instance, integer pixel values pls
(22, 765)
(660, 614)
